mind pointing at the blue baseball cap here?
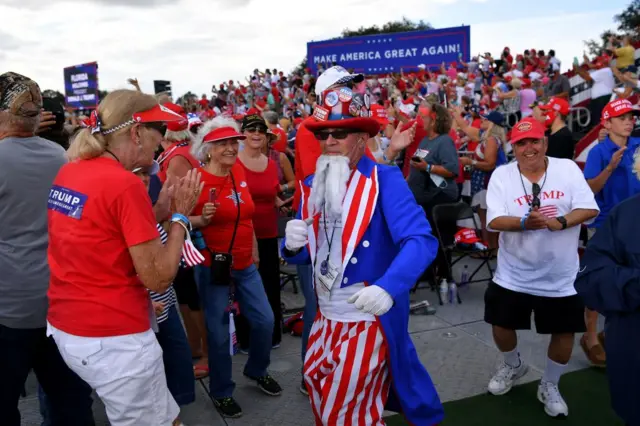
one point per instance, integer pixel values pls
(495, 117)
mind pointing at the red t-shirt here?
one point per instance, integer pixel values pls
(280, 144)
(217, 235)
(170, 153)
(307, 152)
(97, 210)
(263, 187)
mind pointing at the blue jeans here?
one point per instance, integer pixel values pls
(254, 305)
(176, 356)
(24, 349)
(305, 277)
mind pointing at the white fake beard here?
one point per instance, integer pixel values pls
(329, 185)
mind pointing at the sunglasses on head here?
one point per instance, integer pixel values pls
(339, 134)
(254, 129)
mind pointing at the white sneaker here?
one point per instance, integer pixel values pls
(549, 395)
(502, 381)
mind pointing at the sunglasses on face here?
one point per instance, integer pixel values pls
(254, 129)
(340, 134)
(159, 127)
(535, 189)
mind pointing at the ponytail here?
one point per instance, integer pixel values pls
(85, 146)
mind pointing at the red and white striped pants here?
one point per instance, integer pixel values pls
(346, 372)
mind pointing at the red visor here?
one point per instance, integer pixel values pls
(158, 113)
(177, 126)
(221, 134)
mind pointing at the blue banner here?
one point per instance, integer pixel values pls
(385, 53)
(81, 86)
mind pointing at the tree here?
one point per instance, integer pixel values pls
(628, 24)
(400, 26)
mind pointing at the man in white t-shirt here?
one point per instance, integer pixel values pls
(537, 204)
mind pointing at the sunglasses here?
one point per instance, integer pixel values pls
(254, 129)
(535, 189)
(158, 126)
(340, 134)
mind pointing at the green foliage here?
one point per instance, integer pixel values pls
(628, 24)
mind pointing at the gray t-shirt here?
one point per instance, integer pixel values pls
(439, 151)
(28, 167)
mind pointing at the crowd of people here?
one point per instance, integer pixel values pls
(163, 210)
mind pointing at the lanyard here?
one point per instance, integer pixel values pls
(166, 154)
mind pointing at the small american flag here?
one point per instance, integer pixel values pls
(190, 254)
(549, 211)
(233, 338)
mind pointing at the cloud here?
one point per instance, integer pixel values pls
(198, 43)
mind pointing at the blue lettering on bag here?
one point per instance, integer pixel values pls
(66, 201)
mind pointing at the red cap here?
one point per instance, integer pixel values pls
(177, 126)
(466, 236)
(253, 111)
(617, 108)
(297, 121)
(221, 134)
(379, 114)
(527, 128)
(557, 104)
(157, 114)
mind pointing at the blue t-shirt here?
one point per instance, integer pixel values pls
(622, 183)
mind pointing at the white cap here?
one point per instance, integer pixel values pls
(422, 66)
(151, 170)
(334, 76)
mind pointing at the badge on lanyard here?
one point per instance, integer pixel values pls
(328, 274)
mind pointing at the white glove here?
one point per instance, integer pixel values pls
(296, 234)
(372, 300)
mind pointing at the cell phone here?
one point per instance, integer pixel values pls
(213, 194)
(416, 159)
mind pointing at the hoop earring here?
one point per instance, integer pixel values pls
(208, 158)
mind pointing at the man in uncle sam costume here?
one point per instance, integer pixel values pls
(368, 242)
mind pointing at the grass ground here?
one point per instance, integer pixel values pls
(586, 392)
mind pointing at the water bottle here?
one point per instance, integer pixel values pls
(444, 291)
(464, 276)
(453, 293)
(198, 239)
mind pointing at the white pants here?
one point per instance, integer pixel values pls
(127, 373)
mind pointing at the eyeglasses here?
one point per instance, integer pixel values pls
(535, 189)
(158, 126)
(340, 134)
(254, 129)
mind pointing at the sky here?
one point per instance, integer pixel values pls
(197, 43)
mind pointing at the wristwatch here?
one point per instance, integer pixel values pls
(562, 221)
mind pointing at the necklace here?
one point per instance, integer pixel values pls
(112, 154)
(536, 201)
(324, 266)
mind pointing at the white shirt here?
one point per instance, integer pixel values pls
(603, 82)
(333, 304)
(542, 262)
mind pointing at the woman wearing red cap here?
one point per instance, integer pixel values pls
(105, 252)
(224, 214)
(176, 160)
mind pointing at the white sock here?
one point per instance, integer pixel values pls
(512, 358)
(553, 372)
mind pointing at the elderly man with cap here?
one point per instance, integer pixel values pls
(610, 174)
(28, 166)
(537, 203)
(560, 139)
(368, 242)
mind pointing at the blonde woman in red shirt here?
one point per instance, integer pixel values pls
(105, 252)
(224, 213)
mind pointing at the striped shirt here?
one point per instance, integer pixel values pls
(168, 298)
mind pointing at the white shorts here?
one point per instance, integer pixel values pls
(126, 372)
(480, 199)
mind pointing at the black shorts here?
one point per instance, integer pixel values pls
(186, 288)
(552, 315)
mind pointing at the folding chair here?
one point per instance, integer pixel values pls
(445, 222)
(288, 273)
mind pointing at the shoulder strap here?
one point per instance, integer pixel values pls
(235, 228)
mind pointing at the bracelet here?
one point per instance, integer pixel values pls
(474, 163)
(429, 167)
(285, 187)
(522, 221)
(177, 217)
(186, 231)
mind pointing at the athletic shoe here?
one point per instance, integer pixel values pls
(275, 346)
(549, 395)
(228, 407)
(267, 384)
(303, 388)
(502, 381)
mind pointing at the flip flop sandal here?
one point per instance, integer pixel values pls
(200, 371)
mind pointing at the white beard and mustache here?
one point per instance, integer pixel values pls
(329, 185)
